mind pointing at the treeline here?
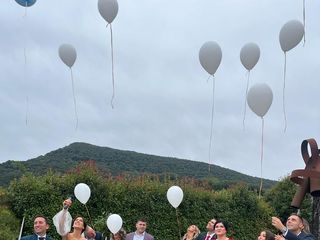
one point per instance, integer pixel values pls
(119, 162)
(145, 195)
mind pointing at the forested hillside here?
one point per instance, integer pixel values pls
(119, 162)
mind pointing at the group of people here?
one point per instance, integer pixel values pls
(296, 228)
(216, 229)
(77, 229)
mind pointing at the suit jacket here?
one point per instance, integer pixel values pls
(98, 236)
(302, 236)
(34, 237)
(202, 236)
(147, 236)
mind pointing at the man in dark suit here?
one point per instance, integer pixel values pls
(140, 232)
(209, 235)
(92, 234)
(294, 229)
(40, 227)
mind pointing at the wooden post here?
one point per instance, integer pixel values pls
(315, 217)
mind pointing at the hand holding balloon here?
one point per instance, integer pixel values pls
(67, 203)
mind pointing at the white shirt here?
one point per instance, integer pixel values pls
(44, 236)
(208, 234)
(138, 236)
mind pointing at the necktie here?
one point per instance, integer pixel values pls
(41, 238)
(207, 237)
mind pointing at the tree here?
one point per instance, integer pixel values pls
(280, 197)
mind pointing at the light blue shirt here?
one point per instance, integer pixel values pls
(138, 236)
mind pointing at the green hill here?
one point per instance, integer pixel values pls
(118, 162)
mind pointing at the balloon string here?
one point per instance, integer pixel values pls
(179, 223)
(304, 22)
(25, 9)
(112, 64)
(211, 128)
(21, 228)
(283, 92)
(89, 216)
(25, 67)
(25, 80)
(209, 78)
(261, 157)
(74, 100)
(245, 101)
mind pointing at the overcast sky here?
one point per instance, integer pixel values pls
(162, 97)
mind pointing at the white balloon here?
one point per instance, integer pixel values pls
(114, 223)
(291, 34)
(260, 98)
(108, 9)
(210, 55)
(68, 54)
(82, 192)
(249, 55)
(175, 196)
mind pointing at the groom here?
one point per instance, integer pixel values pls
(40, 227)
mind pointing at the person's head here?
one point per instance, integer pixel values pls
(40, 225)
(90, 233)
(121, 235)
(210, 225)
(79, 224)
(141, 225)
(295, 223)
(266, 235)
(221, 228)
(193, 229)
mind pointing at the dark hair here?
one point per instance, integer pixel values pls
(84, 223)
(42, 216)
(142, 219)
(224, 223)
(122, 234)
(269, 235)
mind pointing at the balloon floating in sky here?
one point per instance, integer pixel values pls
(68, 55)
(249, 56)
(108, 9)
(26, 3)
(210, 56)
(290, 36)
(259, 99)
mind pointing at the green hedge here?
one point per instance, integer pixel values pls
(139, 197)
